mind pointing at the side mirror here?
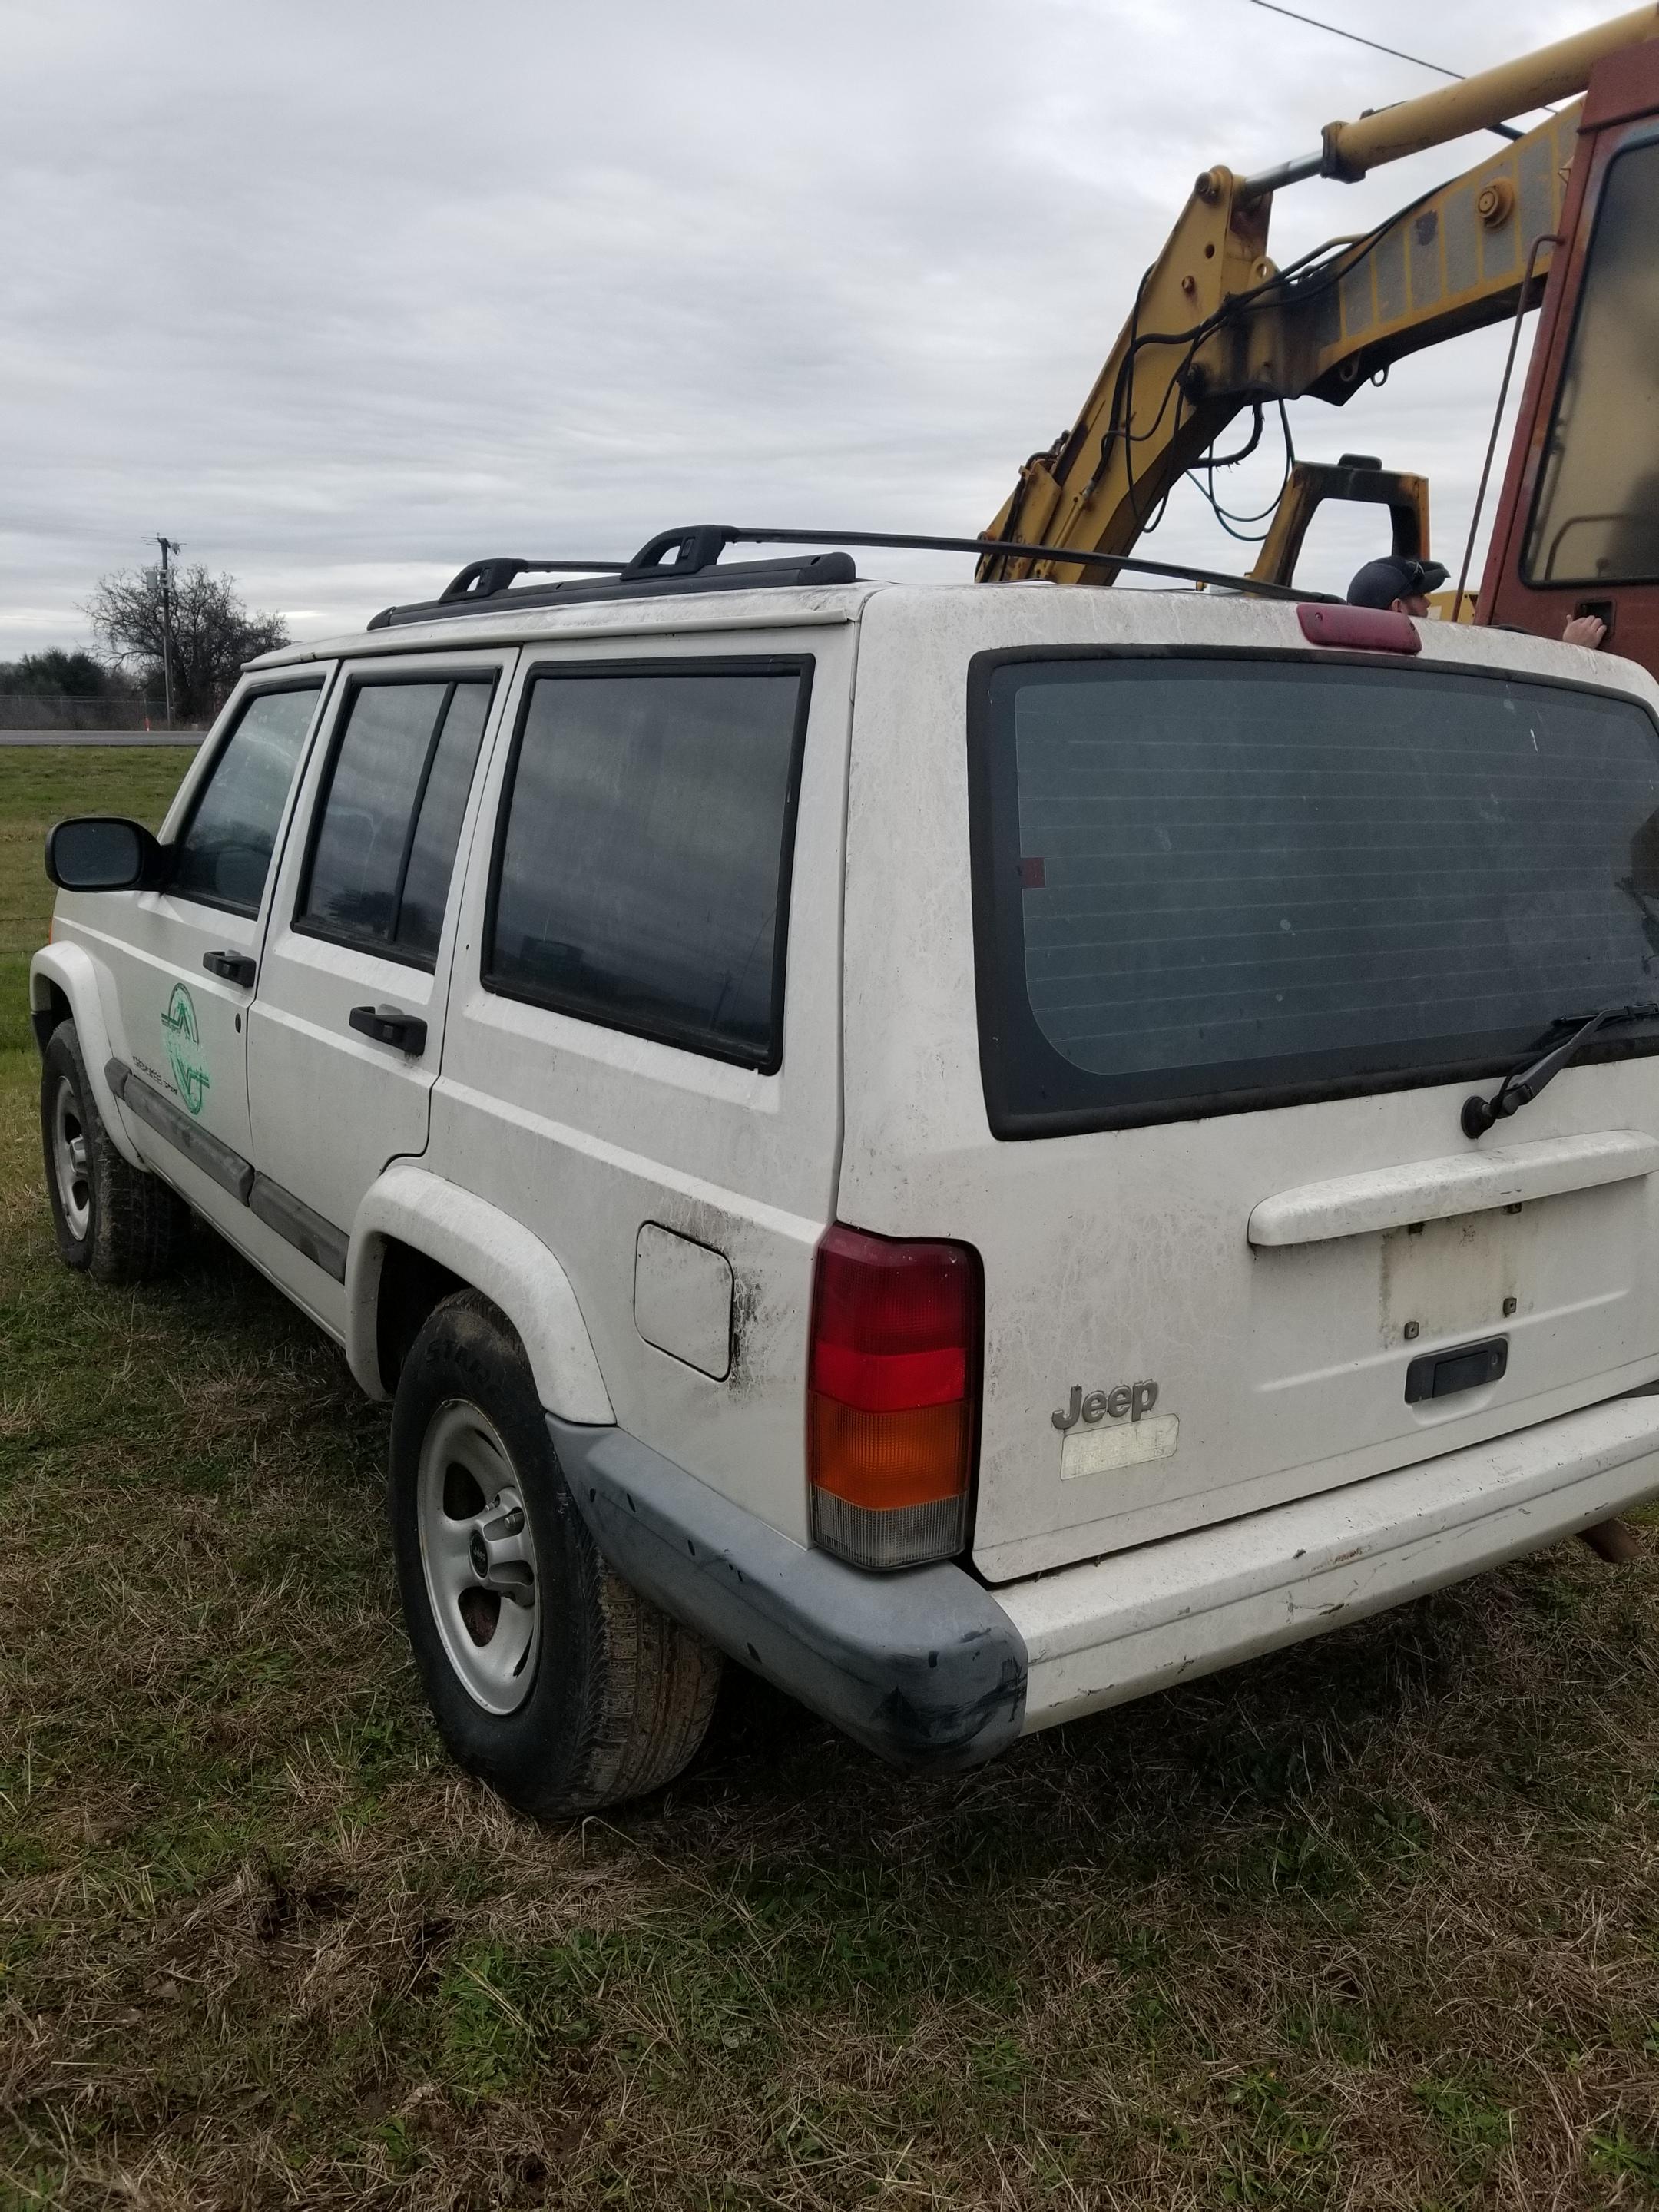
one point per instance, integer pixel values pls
(102, 853)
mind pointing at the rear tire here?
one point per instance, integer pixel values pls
(111, 1221)
(548, 1677)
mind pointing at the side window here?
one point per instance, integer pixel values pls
(223, 855)
(642, 863)
(1596, 519)
(389, 815)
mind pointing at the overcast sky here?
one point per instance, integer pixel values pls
(342, 296)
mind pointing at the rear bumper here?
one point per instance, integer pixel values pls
(929, 1668)
(921, 1667)
(1098, 1635)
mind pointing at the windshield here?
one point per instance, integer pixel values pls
(1213, 883)
(1597, 516)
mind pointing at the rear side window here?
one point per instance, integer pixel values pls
(224, 854)
(389, 815)
(1206, 884)
(642, 863)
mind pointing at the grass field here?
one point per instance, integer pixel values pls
(1372, 1924)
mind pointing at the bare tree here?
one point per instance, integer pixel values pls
(213, 631)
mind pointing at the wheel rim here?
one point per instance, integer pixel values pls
(478, 1560)
(68, 1159)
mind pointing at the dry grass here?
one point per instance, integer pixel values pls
(1374, 1923)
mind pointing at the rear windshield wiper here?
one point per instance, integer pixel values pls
(1524, 1083)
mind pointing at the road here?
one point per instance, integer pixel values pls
(100, 737)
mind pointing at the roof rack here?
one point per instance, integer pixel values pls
(688, 560)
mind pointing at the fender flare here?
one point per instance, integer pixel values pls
(75, 972)
(497, 1255)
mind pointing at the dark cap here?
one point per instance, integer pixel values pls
(1380, 583)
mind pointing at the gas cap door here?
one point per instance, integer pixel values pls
(682, 1299)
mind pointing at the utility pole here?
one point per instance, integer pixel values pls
(167, 545)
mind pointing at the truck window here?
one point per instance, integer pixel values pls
(1207, 885)
(389, 814)
(1596, 519)
(221, 856)
(643, 870)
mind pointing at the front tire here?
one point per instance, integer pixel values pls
(548, 1677)
(111, 1221)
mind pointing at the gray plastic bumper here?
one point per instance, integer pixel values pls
(923, 1667)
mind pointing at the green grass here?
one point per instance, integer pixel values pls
(39, 786)
(1375, 1923)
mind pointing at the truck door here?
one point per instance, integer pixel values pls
(345, 1035)
(1578, 527)
(183, 959)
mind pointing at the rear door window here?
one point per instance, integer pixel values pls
(1205, 884)
(390, 814)
(642, 864)
(222, 855)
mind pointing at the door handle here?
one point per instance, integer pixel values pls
(234, 967)
(1606, 610)
(389, 1026)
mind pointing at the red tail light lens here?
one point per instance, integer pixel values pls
(892, 1402)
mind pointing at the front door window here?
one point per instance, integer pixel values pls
(223, 854)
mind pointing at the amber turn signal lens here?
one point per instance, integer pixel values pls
(911, 1458)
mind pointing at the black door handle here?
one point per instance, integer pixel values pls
(234, 967)
(388, 1025)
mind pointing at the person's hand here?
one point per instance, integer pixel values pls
(1584, 629)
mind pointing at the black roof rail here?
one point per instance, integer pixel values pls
(696, 566)
(701, 546)
(484, 587)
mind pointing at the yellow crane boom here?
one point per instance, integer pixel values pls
(1216, 328)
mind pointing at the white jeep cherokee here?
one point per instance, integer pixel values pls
(936, 1141)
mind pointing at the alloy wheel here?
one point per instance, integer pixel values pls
(477, 1556)
(68, 1159)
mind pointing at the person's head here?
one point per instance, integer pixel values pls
(1397, 582)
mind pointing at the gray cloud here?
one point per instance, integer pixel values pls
(344, 296)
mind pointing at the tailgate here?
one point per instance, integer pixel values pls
(1248, 928)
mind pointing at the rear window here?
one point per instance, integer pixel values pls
(1203, 885)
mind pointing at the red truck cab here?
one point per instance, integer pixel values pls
(1577, 525)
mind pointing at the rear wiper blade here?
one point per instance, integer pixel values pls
(1524, 1083)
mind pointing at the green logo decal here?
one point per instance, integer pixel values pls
(184, 1048)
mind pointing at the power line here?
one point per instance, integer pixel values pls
(1396, 53)
(1337, 32)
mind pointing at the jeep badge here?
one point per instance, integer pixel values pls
(1133, 1399)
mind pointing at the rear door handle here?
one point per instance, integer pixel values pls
(234, 967)
(389, 1026)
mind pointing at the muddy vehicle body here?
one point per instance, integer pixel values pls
(916, 1137)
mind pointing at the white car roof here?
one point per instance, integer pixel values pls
(969, 616)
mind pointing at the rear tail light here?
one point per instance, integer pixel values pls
(892, 1401)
